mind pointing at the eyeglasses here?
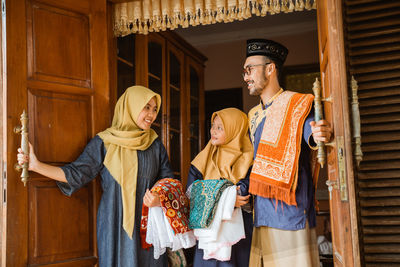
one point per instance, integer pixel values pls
(247, 70)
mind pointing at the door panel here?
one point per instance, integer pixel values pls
(339, 153)
(61, 119)
(47, 242)
(57, 70)
(64, 33)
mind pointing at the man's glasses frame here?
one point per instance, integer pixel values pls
(248, 68)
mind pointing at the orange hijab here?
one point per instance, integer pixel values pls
(233, 159)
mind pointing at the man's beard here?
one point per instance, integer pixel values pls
(259, 87)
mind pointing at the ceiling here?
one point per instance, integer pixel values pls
(270, 25)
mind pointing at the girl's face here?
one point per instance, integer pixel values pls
(147, 115)
(217, 132)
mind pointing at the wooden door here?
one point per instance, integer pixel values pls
(339, 154)
(57, 70)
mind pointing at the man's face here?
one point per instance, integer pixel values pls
(254, 74)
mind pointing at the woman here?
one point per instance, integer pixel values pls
(130, 159)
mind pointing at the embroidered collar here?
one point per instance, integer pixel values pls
(269, 102)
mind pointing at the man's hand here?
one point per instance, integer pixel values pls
(321, 131)
(151, 199)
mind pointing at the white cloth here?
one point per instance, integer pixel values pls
(161, 236)
(226, 229)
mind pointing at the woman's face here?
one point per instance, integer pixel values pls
(148, 115)
(217, 132)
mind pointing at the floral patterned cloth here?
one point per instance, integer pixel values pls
(204, 197)
(275, 170)
(175, 206)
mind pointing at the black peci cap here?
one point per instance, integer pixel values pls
(268, 48)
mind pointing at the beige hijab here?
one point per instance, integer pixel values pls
(233, 159)
(122, 140)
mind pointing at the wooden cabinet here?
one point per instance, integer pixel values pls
(168, 65)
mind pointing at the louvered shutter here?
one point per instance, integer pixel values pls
(372, 30)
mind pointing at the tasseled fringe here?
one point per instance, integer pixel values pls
(124, 25)
(262, 189)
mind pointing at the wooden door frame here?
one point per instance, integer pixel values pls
(339, 88)
(3, 140)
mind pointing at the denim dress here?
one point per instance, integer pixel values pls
(115, 248)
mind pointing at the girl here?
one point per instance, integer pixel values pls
(228, 155)
(130, 159)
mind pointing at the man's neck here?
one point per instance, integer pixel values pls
(269, 92)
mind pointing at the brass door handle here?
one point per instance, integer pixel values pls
(23, 130)
(318, 114)
(356, 121)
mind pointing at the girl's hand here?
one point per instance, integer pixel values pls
(151, 199)
(241, 200)
(23, 158)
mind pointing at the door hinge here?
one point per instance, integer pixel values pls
(342, 168)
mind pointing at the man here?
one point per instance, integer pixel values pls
(283, 133)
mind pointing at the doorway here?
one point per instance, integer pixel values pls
(226, 55)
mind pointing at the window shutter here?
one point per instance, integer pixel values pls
(372, 30)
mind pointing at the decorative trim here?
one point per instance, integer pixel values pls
(147, 16)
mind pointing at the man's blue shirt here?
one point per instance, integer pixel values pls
(269, 212)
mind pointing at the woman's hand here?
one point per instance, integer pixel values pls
(151, 199)
(24, 158)
(241, 200)
(35, 165)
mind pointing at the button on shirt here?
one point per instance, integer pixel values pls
(277, 214)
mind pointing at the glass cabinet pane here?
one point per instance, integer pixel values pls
(175, 112)
(175, 71)
(194, 118)
(125, 63)
(155, 69)
(156, 86)
(125, 77)
(175, 152)
(175, 109)
(155, 59)
(194, 112)
(194, 83)
(126, 48)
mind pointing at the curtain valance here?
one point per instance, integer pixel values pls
(144, 16)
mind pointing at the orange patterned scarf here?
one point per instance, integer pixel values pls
(175, 206)
(275, 168)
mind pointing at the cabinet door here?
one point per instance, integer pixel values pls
(339, 155)
(175, 102)
(156, 70)
(195, 110)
